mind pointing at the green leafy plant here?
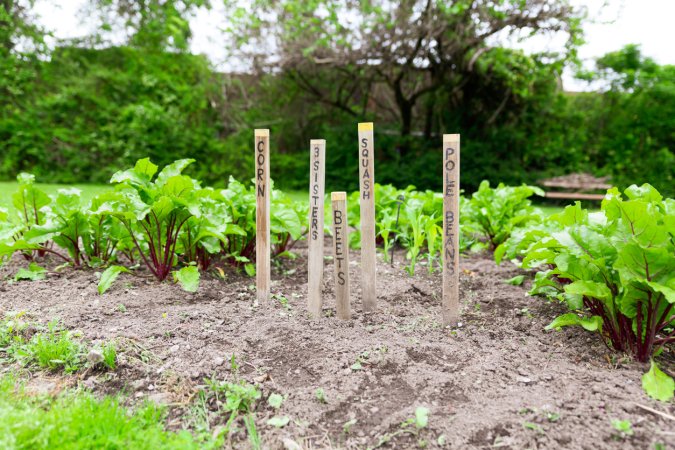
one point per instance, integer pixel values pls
(32, 273)
(623, 426)
(275, 400)
(154, 210)
(409, 218)
(320, 395)
(287, 224)
(411, 426)
(614, 269)
(495, 213)
(236, 399)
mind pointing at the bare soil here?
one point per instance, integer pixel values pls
(498, 380)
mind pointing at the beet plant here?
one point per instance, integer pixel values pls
(615, 269)
(154, 210)
(31, 205)
(107, 237)
(205, 235)
(287, 224)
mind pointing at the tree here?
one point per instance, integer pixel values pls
(153, 24)
(412, 48)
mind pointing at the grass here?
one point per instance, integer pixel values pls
(78, 420)
(54, 350)
(7, 188)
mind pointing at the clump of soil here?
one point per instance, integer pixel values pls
(497, 380)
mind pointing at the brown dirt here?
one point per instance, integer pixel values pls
(498, 380)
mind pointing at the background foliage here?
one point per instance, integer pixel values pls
(81, 109)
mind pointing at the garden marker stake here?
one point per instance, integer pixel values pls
(367, 203)
(341, 254)
(450, 255)
(262, 214)
(317, 148)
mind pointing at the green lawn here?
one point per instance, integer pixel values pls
(7, 188)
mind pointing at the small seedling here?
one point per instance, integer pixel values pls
(347, 426)
(275, 401)
(623, 426)
(121, 308)
(283, 301)
(421, 419)
(278, 422)
(320, 395)
(552, 416)
(33, 273)
(361, 360)
(533, 427)
(234, 367)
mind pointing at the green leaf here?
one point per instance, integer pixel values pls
(658, 385)
(667, 291)
(589, 289)
(179, 186)
(499, 253)
(278, 422)
(421, 417)
(33, 273)
(188, 278)
(173, 169)
(286, 220)
(249, 269)
(645, 192)
(591, 324)
(275, 401)
(109, 276)
(516, 281)
(141, 174)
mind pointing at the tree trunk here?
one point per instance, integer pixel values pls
(428, 119)
(405, 108)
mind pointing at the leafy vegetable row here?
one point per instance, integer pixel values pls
(164, 220)
(414, 219)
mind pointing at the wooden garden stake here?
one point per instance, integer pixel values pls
(316, 213)
(367, 203)
(262, 214)
(450, 307)
(341, 254)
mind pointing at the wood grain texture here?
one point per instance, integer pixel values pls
(367, 204)
(262, 214)
(317, 149)
(450, 303)
(341, 255)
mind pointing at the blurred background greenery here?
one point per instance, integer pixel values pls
(79, 110)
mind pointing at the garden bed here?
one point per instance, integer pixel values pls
(497, 380)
